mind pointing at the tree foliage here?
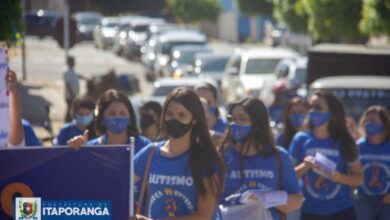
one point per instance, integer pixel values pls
(10, 18)
(254, 7)
(114, 7)
(292, 13)
(375, 17)
(189, 11)
(334, 20)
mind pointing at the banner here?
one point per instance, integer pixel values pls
(82, 179)
(4, 99)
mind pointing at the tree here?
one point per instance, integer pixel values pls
(254, 7)
(189, 11)
(334, 20)
(292, 13)
(114, 7)
(10, 19)
(375, 17)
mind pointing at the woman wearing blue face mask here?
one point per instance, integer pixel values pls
(373, 198)
(294, 116)
(115, 123)
(83, 117)
(327, 196)
(252, 160)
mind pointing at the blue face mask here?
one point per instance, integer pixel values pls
(297, 120)
(240, 132)
(83, 120)
(318, 118)
(373, 129)
(116, 125)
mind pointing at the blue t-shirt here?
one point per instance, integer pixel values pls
(259, 173)
(30, 138)
(280, 140)
(172, 189)
(139, 142)
(376, 166)
(322, 196)
(220, 126)
(67, 132)
(276, 113)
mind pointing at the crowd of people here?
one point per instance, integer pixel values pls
(189, 160)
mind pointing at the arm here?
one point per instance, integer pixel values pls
(16, 131)
(294, 202)
(78, 141)
(302, 168)
(354, 178)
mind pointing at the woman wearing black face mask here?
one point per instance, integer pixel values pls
(185, 176)
(150, 116)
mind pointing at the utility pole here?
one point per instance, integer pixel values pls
(23, 41)
(66, 29)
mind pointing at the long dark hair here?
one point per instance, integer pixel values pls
(203, 155)
(337, 125)
(383, 115)
(289, 130)
(109, 97)
(261, 135)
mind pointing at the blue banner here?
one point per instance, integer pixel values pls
(62, 174)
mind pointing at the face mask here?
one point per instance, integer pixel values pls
(83, 120)
(373, 129)
(177, 129)
(146, 121)
(116, 125)
(297, 120)
(240, 132)
(318, 118)
(212, 110)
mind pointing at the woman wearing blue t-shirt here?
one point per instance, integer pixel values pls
(186, 174)
(252, 160)
(373, 198)
(115, 122)
(327, 197)
(293, 120)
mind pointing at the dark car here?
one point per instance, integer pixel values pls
(86, 22)
(41, 23)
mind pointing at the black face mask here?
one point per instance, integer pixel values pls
(177, 129)
(146, 121)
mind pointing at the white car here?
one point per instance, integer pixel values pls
(251, 72)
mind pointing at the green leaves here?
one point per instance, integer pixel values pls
(375, 17)
(189, 11)
(10, 19)
(253, 7)
(291, 13)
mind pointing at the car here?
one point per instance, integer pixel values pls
(282, 36)
(104, 32)
(294, 71)
(41, 23)
(182, 57)
(210, 65)
(250, 72)
(356, 92)
(169, 40)
(86, 22)
(163, 86)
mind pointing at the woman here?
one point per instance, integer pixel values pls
(327, 197)
(252, 160)
(373, 198)
(150, 118)
(294, 116)
(82, 113)
(115, 122)
(186, 174)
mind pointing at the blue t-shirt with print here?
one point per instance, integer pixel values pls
(68, 132)
(375, 160)
(172, 189)
(322, 196)
(30, 138)
(280, 140)
(139, 142)
(220, 126)
(259, 173)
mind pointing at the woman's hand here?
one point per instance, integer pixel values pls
(11, 82)
(336, 176)
(386, 199)
(139, 217)
(78, 141)
(309, 162)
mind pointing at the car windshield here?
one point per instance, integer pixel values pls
(186, 57)
(300, 74)
(356, 101)
(167, 46)
(163, 90)
(89, 20)
(261, 65)
(111, 24)
(140, 28)
(212, 64)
